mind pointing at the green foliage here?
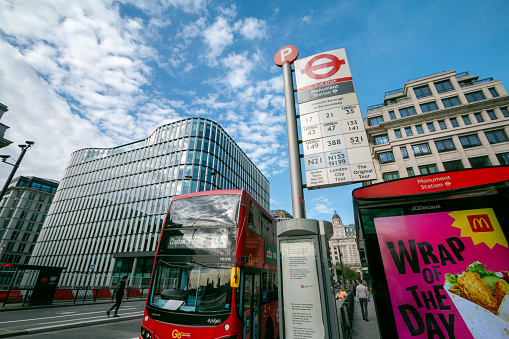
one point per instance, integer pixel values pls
(349, 274)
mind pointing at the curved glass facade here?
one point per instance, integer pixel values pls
(111, 202)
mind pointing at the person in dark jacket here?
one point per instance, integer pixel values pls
(119, 294)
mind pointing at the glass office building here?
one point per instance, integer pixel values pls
(109, 207)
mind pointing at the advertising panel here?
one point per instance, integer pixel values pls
(447, 272)
(335, 146)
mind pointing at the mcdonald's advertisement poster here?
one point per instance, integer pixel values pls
(447, 274)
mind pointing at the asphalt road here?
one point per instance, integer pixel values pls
(115, 330)
(53, 319)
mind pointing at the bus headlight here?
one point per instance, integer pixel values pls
(145, 334)
(226, 327)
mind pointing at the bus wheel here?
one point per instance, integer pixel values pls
(267, 334)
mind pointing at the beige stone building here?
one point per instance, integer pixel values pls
(441, 122)
(343, 245)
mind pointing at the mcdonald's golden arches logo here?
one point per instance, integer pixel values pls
(480, 223)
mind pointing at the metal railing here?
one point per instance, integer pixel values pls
(24, 296)
(476, 82)
(346, 315)
(394, 91)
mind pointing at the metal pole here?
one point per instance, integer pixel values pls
(293, 145)
(24, 148)
(342, 269)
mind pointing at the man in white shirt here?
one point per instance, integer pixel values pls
(362, 297)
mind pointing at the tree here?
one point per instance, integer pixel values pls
(350, 275)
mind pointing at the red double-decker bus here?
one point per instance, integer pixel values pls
(214, 273)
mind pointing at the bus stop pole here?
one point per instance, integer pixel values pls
(293, 145)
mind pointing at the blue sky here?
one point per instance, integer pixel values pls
(92, 73)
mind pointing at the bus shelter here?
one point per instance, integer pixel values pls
(44, 288)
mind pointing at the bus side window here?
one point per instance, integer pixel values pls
(254, 221)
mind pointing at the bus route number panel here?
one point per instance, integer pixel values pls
(334, 141)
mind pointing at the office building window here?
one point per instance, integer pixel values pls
(407, 111)
(392, 115)
(408, 131)
(31, 196)
(30, 226)
(429, 106)
(422, 91)
(479, 162)
(19, 224)
(391, 176)
(431, 127)
(381, 139)
(9, 246)
(397, 132)
(454, 122)
(419, 129)
(503, 158)
(504, 111)
(428, 169)
(453, 165)
(442, 125)
(468, 141)
(466, 120)
(386, 157)
(410, 171)
(376, 120)
(25, 237)
(450, 102)
(497, 136)
(23, 214)
(14, 235)
(492, 115)
(443, 86)
(475, 96)
(478, 117)
(421, 149)
(445, 145)
(404, 152)
(493, 92)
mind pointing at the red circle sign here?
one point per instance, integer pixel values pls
(286, 55)
(331, 61)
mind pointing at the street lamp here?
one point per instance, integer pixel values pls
(24, 148)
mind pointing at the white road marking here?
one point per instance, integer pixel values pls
(59, 316)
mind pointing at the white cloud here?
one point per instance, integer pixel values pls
(217, 37)
(307, 19)
(320, 205)
(152, 7)
(252, 28)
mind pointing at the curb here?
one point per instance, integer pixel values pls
(72, 325)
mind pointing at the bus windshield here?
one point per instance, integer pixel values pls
(191, 288)
(204, 211)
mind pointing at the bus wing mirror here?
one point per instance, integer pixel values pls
(235, 277)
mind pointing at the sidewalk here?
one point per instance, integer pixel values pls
(365, 329)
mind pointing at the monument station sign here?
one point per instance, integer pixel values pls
(335, 145)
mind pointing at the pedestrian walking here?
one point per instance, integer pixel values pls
(119, 294)
(362, 297)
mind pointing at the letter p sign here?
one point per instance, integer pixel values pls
(287, 54)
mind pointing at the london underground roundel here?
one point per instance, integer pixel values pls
(286, 55)
(322, 66)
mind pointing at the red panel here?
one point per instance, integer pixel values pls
(435, 182)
